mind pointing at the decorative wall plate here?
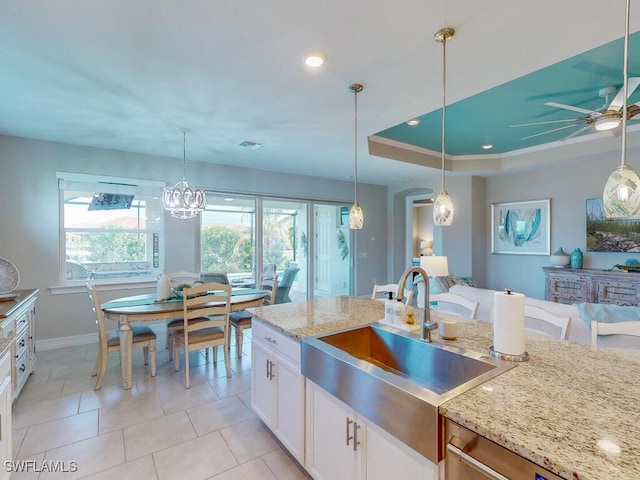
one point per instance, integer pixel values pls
(9, 276)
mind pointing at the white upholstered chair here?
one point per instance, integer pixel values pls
(109, 342)
(210, 303)
(383, 290)
(542, 321)
(456, 304)
(241, 320)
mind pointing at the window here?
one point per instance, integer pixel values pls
(111, 228)
(227, 237)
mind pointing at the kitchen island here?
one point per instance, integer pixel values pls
(571, 409)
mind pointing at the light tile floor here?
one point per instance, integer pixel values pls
(156, 430)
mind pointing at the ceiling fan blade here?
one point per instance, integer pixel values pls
(570, 107)
(548, 131)
(632, 84)
(577, 120)
(577, 132)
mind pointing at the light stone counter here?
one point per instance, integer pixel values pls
(562, 409)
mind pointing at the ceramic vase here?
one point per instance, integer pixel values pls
(576, 258)
(560, 258)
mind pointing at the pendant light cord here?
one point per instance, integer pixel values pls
(184, 156)
(355, 143)
(444, 99)
(625, 87)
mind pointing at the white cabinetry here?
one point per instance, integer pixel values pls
(277, 386)
(5, 412)
(343, 444)
(18, 318)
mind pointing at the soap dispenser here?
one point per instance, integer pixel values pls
(388, 308)
(399, 311)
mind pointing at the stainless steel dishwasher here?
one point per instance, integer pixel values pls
(470, 456)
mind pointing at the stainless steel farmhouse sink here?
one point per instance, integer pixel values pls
(396, 380)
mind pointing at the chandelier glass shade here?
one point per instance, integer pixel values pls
(621, 197)
(183, 200)
(356, 215)
(442, 205)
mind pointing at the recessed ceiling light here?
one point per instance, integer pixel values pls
(413, 122)
(228, 199)
(487, 146)
(315, 59)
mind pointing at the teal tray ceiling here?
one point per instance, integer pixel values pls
(485, 118)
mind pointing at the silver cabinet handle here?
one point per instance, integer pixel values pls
(472, 462)
(356, 442)
(349, 437)
(271, 375)
(268, 369)
(271, 340)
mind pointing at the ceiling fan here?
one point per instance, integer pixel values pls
(607, 117)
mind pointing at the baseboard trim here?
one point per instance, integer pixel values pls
(159, 328)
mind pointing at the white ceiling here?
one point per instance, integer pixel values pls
(130, 74)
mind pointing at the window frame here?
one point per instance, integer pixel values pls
(90, 184)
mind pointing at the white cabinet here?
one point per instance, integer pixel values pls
(18, 318)
(277, 386)
(5, 412)
(343, 444)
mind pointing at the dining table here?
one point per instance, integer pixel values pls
(145, 308)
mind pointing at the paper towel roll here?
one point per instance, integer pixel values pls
(508, 323)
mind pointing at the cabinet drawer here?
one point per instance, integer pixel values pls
(276, 341)
(7, 327)
(21, 344)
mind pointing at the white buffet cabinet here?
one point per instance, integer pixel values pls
(17, 324)
(325, 435)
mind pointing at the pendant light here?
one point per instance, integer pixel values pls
(184, 200)
(356, 215)
(621, 197)
(442, 205)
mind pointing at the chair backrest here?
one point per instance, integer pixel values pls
(97, 308)
(456, 303)
(282, 292)
(542, 321)
(215, 277)
(177, 278)
(211, 300)
(269, 283)
(393, 288)
(631, 329)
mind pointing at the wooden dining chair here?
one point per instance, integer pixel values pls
(210, 303)
(109, 341)
(241, 320)
(627, 328)
(177, 279)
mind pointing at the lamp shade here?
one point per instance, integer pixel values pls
(435, 266)
(622, 193)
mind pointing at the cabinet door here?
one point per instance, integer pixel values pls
(262, 392)
(330, 454)
(385, 457)
(289, 384)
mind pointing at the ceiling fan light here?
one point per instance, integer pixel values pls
(443, 210)
(621, 197)
(606, 123)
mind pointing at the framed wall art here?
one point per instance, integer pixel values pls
(521, 228)
(610, 234)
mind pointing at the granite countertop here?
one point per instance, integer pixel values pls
(571, 408)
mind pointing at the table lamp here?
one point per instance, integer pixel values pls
(434, 266)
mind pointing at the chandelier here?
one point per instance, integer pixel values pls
(184, 200)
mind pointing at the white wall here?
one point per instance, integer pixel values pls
(29, 198)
